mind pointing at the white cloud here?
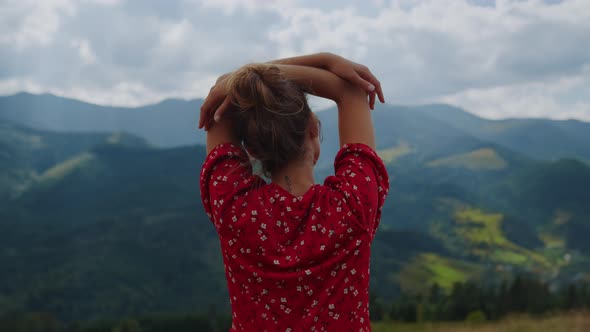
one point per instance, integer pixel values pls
(514, 58)
(32, 23)
(85, 51)
(565, 98)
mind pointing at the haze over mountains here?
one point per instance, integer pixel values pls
(173, 122)
(100, 214)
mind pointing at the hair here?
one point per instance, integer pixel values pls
(270, 115)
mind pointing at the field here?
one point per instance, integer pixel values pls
(573, 322)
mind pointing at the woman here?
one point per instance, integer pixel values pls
(296, 253)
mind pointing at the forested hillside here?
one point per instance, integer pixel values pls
(105, 224)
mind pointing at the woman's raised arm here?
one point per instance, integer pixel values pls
(341, 67)
(325, 75)
(355, 124)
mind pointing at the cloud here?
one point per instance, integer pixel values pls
(85, 51)
(31, 23)
(564, 98)
(496, 58)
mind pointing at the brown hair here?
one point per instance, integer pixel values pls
(270, 115)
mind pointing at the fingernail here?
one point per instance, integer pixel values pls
(216, 118)
(371, 87)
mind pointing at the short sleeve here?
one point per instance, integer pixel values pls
(362, 179)
(226, 175)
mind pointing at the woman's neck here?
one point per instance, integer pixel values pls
(296, 177)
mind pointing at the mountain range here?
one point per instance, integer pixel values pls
(100, 214)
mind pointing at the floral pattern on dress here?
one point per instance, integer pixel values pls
(296, 263)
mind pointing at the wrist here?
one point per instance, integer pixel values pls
(326, 59)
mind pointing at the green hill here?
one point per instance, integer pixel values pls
(172, 122)
(113, 231)
(106, 225)
(26, 153)
(480, 159)
(537, 138)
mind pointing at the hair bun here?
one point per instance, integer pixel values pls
(255, 85)
(271, 114)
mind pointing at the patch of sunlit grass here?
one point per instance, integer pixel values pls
(571, 322)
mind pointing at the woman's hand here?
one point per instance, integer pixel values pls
(216, 103)
(357, 74)
(347, 70)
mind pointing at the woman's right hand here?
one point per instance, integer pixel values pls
(216, 103)
(357, 74)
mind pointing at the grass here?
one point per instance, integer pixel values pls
(483, 233)
(552, 240)
(481, 228)
(61, 170)
(570, 322)
(391, 154)
(561, 217)
(428, 268)
(480, 159)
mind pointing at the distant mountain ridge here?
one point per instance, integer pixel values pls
(538, 138)
(173, 122)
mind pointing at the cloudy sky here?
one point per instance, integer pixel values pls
(503, 58)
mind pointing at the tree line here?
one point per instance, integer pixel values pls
(477, 302)
(470, 301)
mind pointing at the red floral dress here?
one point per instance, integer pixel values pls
(296, 263)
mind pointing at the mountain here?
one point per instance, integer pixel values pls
(119, 230)
(114, 230)
(172, 122)
(537, 138)
(417, 136)
(97, 225)
(25, 153)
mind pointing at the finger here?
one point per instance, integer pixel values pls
(206, 111)
(214, 98)
(368, 76)
(372, 100)
(365, 85)
(207, 102)
(202, 117)
(210, 104)
(219, 112)
(380, 94)
(221, 109)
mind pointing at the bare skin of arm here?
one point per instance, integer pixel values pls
(354, 118)
(355, 124)
(350, 71)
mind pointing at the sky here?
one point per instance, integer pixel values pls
(498, 59)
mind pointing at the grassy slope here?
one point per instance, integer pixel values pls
(480, 159)
(570, 322)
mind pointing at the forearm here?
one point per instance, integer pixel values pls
(317, 60)
(219, 133)
(354, 118)
(318, 82)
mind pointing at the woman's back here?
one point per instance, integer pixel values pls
(293, 263)
(296, 261)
